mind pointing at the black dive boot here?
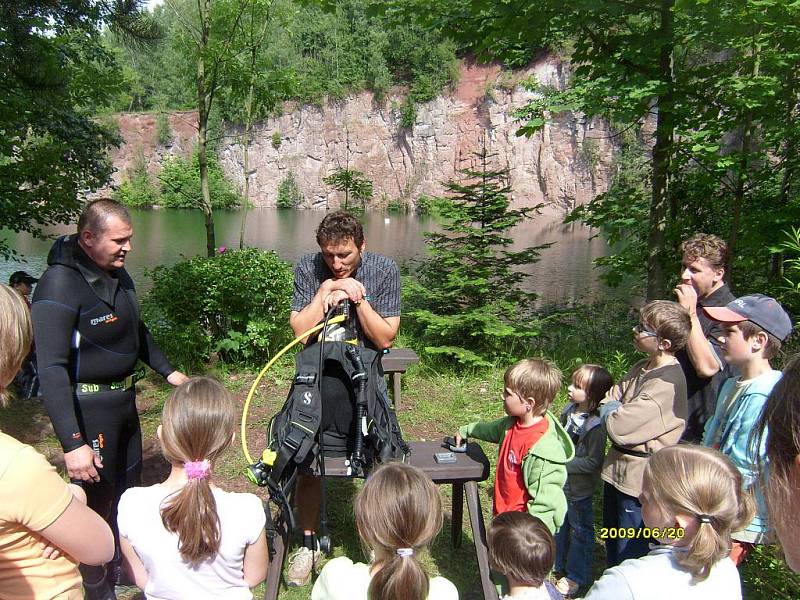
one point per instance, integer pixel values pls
(99, 591)
(96, 585)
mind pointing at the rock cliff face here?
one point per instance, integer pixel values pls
(565, 164)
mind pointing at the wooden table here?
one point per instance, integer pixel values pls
(464, 475)
(395, 362)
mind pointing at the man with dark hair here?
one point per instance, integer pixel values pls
(704, 259)
(342, 271)
(23, 283)
(26, 380)
(89, 337)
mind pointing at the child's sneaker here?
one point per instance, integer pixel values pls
(567, 587)
(301, 565)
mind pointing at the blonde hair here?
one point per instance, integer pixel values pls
(15, 337)
(197, 423)
(536, 378)
(398, 507)
(695, 480)
(521, 547)
(669, 320)
(595, 381)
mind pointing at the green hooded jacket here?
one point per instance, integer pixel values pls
(544, 468)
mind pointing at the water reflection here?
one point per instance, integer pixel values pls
(564, 272)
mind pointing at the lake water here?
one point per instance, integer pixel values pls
(564, 272)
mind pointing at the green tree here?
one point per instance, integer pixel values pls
(289, 194)
(467, 303)
(353, 183)
(716, 83)
(209, 34)
(137, 188)
(181, 186)
(235, 303)
(54, 73)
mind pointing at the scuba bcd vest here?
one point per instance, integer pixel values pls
(293, 431)
(293, 436)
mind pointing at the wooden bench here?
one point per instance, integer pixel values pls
(395, 362)
(464, 475)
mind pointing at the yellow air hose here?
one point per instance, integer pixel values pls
(313, 330)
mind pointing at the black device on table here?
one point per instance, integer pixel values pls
(450, 443)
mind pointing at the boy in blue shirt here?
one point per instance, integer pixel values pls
(754, 326)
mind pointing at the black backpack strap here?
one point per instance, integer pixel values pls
(297, 426)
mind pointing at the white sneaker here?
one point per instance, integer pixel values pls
(301, 564)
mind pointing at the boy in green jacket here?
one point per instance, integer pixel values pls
(534, 448)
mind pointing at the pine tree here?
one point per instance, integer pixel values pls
(468, 303)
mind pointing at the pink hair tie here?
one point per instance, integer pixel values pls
(197, 469)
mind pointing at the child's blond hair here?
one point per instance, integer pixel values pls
(15, 337)
(398, 508)
(669, 320)
(703, 483)
(536, 378)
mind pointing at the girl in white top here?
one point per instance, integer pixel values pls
(185, 537)
(692, 498)
(398, 513)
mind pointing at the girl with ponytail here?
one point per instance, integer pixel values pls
(186, 537)
(692, 499)
(398, 513)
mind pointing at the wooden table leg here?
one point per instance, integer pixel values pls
(457, 514)
(396, 389)
(479, 535)
(273, 581)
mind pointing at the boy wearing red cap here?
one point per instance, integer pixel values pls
(754, 328)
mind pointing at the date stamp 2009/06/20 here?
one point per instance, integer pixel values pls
(646, 533)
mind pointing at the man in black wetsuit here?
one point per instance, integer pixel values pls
(89, 337)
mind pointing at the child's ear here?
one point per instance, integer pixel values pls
(759, 341)
(158, 433)
(530, 403)
(665, 345)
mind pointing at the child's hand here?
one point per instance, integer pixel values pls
(457, 438)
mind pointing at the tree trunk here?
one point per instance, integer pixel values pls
(248, 126)
(203, 108)
(744, 163)
(662, 152)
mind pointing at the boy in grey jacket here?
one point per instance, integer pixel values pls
(644, 412)
(580, 418)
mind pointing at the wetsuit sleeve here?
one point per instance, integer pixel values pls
(151, 354)
(55, 318)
